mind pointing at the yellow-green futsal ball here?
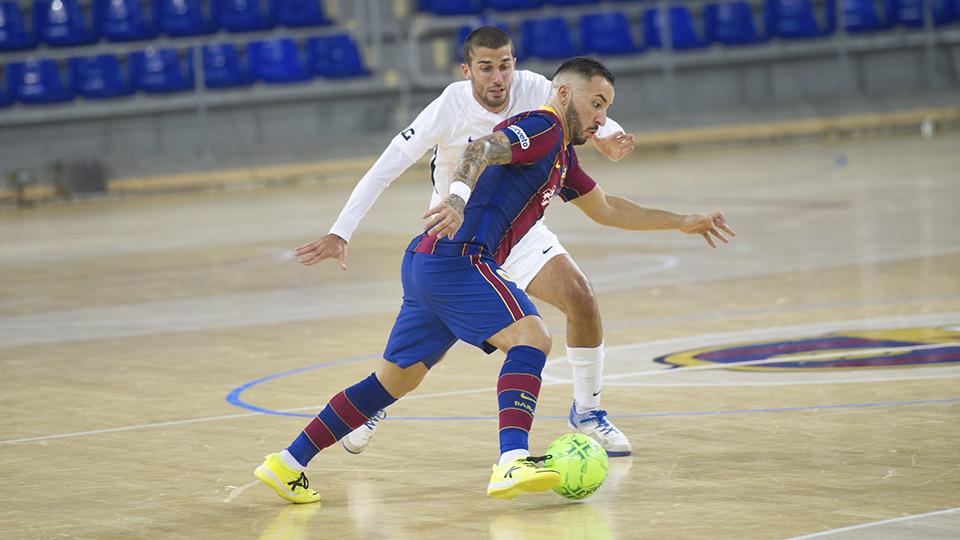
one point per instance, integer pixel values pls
(582, 463)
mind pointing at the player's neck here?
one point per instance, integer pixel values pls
(556, 109)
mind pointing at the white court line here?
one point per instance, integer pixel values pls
(131, 428)
(873, 524)
(235, 492)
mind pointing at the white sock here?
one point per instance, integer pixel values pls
(291, 462)
(511, 455)
(587, 364)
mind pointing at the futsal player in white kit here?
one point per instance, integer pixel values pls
(539, 264)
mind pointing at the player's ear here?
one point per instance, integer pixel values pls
(465, 70)
(564, 93)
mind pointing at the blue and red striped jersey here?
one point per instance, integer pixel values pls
(508, 199)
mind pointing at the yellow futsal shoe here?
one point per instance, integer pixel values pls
(522, 475)
(290, 484)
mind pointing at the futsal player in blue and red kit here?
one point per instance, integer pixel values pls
(453, 288)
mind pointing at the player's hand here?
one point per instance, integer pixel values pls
(708, 226)
(615, 146)
(445, 218)
(330, 246)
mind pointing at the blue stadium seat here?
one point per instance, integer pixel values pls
(62, 23)
(730, 23)
(573, 2)
(910, 13)
(792, 19)
(98, 77)
(296, 13)
(277, 61)
(185, 17)
(335, 57)
(453, 7)
(548, 38)
(161, 71)
(223, 68)
(123, 20)
(243, 15)
(13, 30)
(862, 16)
(683, 34)
(606, 33)
(515, 5)
(36, 82)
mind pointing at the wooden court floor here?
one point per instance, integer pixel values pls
(803, 381)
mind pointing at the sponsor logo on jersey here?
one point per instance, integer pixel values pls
(407, 134)
(521, 136)
(547, 195)
(867, 349)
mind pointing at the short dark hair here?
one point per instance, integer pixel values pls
(587, 68)
(488, 37)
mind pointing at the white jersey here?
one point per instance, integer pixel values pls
(456, 117)
(446, 126)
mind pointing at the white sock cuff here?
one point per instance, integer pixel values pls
(584, 356)
(291, 462)
(511, 455)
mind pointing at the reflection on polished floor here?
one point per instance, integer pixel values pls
(803, 380)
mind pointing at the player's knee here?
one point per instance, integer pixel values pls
(580, 301)
(539, 337)
(399, 382)
(542, 342)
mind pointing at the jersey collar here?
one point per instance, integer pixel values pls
(563, 128)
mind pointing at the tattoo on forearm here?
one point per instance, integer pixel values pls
(493, 149)
(455, 202)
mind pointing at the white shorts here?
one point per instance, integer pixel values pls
(531, 253)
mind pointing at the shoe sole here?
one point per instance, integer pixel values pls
(610, 453)
(266, 476)
(542, 481)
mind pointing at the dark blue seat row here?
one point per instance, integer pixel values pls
(66, 23)
(161, 71)
(728, 23)
(475, 7)
(903, 11)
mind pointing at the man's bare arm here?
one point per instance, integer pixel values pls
(622, 213)
(494, 149)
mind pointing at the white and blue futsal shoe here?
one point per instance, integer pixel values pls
(357, 440)
(595, 422)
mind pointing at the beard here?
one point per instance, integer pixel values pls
(487, 100)
(574, 125)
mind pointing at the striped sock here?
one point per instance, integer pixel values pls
(346, 411)
(517, 391)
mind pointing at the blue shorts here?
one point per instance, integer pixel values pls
(446, 298)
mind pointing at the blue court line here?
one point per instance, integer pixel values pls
(233, 397)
